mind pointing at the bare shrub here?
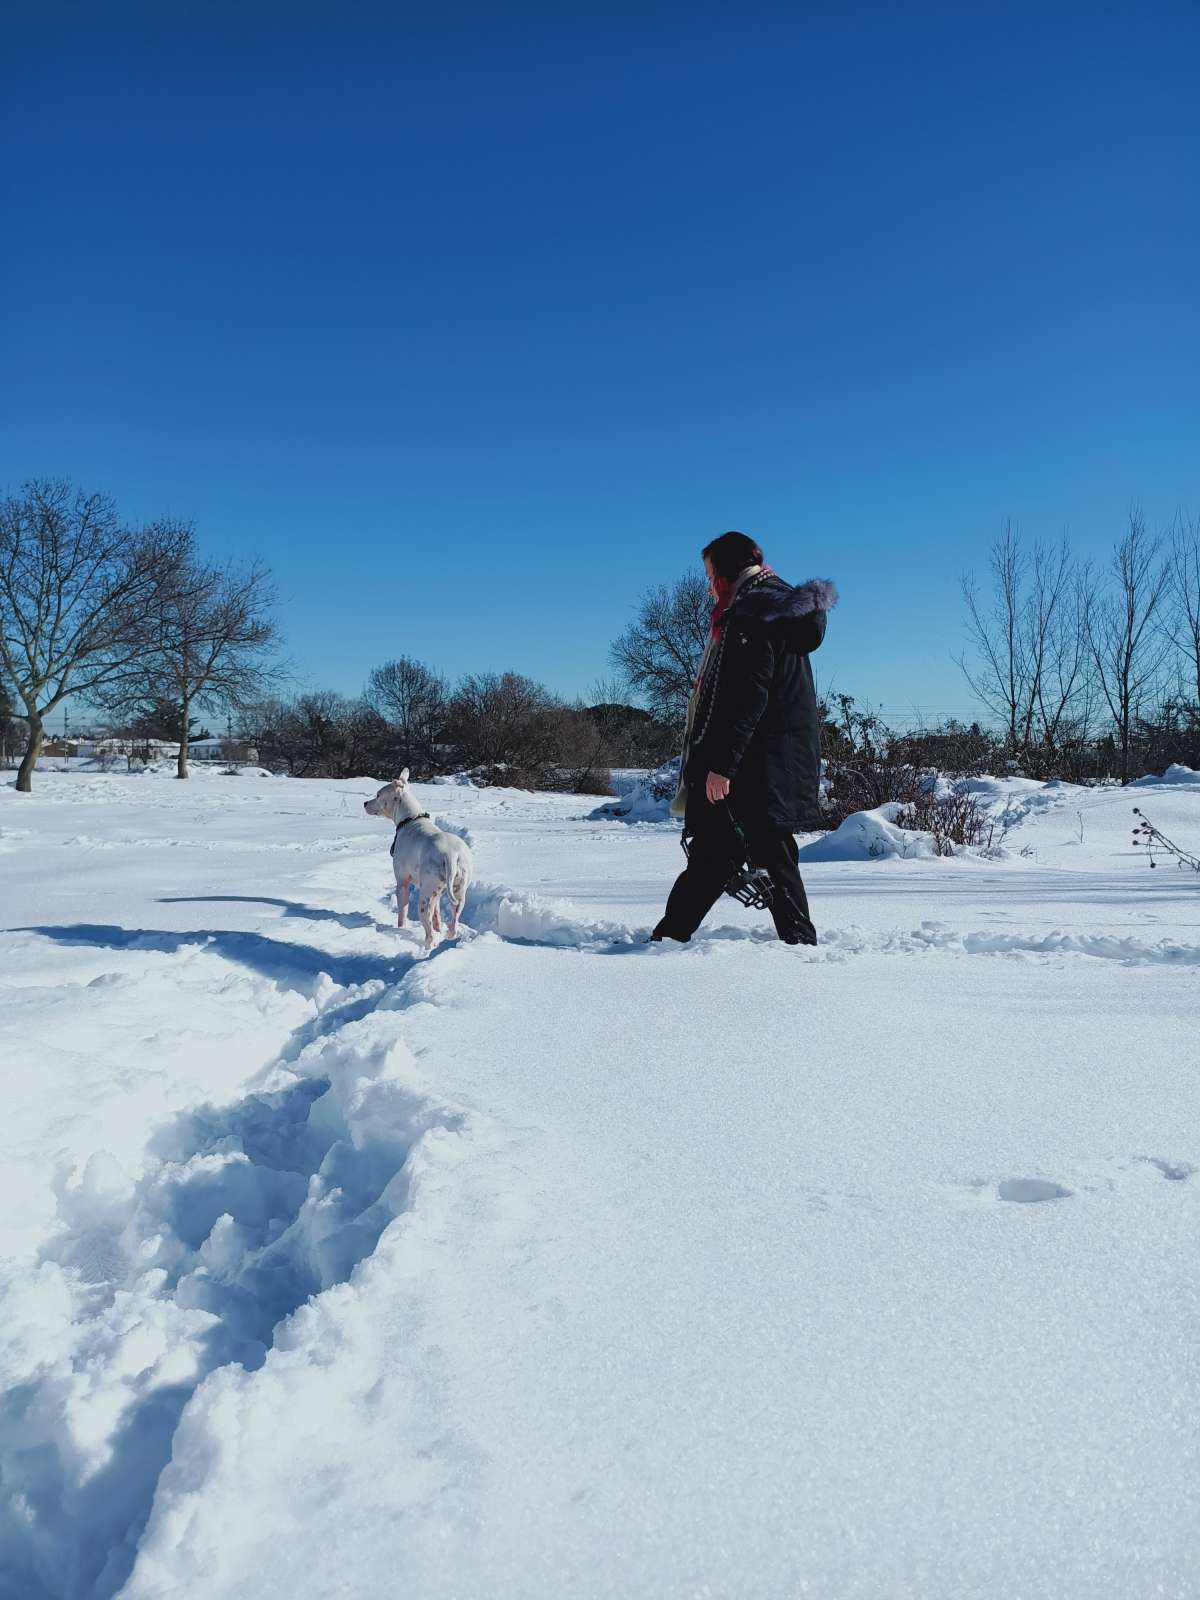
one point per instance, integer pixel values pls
(954, 818)
(597, 781)
(317, 735)
(864, 784)
(866, 764)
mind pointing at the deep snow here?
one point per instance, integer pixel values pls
(559, 1264)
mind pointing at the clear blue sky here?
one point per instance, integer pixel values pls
(475, 320)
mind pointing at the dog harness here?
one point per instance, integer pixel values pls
(421, 816)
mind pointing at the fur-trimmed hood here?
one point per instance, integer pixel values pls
(773, 600)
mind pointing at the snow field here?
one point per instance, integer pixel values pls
(557, 1264)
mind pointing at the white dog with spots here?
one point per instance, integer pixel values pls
(439, 863)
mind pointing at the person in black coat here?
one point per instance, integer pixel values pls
(751, 767)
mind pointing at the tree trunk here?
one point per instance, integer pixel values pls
(33, 750)
(181, 763)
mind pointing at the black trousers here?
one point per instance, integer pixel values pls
(714, 856)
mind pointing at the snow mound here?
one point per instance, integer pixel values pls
(1175, 774)
(532, 919)
(876, 836)
(646, 800)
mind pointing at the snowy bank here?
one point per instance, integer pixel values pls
(645, 799)
(1175, 774)
(878, 835)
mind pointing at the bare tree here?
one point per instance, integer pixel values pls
(1053, 648)
(411, 698)
(321, 734)
(1125, 640)
(211, 629)
(1030, 653)
(1000, 675)
(312, 734)
(504, 719)
(264, 726)
(76, 587)
(659, 653)
(1182, 613)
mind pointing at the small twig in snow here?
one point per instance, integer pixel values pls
(1148, 836)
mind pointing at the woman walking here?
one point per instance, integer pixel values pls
(751, 764)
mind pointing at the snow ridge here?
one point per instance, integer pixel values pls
(522, 918)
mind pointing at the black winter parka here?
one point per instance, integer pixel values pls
(756, 720)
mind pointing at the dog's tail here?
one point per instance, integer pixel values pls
(460, 881)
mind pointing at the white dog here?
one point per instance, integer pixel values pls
(440, 862)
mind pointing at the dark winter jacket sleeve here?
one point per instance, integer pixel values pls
(743, 686)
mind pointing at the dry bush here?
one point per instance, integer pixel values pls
(953, 818)
(597, 780)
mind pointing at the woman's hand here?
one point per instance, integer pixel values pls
(716, 788)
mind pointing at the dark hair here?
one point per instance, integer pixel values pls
(732, 553)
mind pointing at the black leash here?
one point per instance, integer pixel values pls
(749, 885)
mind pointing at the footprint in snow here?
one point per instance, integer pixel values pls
(1027, 1191)
(1020, 1191)
(1033, 1191)
(1173, 1171)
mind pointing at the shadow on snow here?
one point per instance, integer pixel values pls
(279, 960)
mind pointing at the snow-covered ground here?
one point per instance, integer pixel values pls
(556, 1264)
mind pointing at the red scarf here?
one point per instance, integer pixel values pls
(726, 589)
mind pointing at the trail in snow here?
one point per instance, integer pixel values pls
(242, 1214)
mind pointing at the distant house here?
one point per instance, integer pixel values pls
(233, 750)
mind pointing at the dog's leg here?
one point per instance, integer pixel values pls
(426, 905)
(403, 886)
(458, 894)
(437, 912)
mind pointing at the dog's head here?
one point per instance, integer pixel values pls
(387, 802)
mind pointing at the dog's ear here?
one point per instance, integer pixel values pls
(403, 778)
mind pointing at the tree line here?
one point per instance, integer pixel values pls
(501, 727)
(1088, 670)
(1092, 670)
(136, 623)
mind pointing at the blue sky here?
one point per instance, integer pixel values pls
(475, 320)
